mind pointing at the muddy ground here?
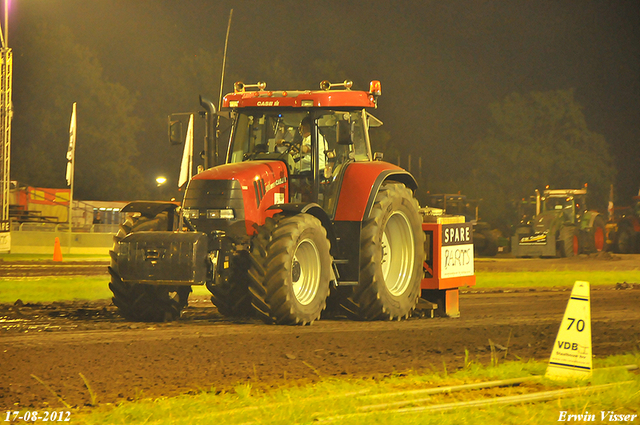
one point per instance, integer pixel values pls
(45, 347)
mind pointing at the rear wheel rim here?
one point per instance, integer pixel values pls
(305, 273)
(398, 252)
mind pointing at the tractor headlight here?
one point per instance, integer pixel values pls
(224, 214)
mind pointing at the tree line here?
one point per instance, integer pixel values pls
(531, 140)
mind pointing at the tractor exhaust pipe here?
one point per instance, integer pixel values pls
(210, 145)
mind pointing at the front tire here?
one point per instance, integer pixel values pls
(290, 270)
(599, 240)
(391, 257)
(230, 292)
(141, 302)
(569, 242)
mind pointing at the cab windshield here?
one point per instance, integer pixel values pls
(282, 135)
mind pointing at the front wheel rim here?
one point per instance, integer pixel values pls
(305, 276)
(398, 252)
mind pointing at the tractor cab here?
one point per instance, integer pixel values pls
(315, 144)
(571, 203)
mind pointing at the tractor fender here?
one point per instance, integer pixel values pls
(361, 184)
(312, 209)
(589, 218)
(148, 209)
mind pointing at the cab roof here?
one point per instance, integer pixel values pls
(323, 98)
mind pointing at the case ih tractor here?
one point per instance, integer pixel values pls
(563, 228)
(301, 210)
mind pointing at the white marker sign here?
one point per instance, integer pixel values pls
(571, 356)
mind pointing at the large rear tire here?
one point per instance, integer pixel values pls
(290, 270)
(626, 240)
(391, 257)
(141, 302)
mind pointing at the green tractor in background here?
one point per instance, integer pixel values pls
(562, 227)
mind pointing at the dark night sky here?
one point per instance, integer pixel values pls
(440, 62)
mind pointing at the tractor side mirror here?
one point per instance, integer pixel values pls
(175, 132)
(344, 133)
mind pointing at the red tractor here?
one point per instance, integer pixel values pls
(300, 214)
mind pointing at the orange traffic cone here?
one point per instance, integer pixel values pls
(57, 252)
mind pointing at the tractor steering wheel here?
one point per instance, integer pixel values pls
(291, 148)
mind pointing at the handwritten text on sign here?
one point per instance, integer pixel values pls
(456, 253)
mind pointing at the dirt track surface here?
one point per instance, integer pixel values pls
(121, 360)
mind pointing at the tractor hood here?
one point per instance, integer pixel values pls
(542, 240)
(258, 184)
(244, 172)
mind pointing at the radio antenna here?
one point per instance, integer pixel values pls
(224, 59)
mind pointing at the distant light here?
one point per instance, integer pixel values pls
(161, 180)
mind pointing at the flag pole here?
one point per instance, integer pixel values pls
(71, 151)
(224, 59)
(186, 165)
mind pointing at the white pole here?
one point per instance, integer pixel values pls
(224, 59)
(71, 169)
(6, 23)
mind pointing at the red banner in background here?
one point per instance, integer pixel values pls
(47, 196)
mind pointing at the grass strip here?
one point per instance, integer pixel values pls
(51, 289)
(553, 278)
(338, 400)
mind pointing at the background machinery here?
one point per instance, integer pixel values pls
(485, 240)
(292, 220)
(624, 228)
(562, 226)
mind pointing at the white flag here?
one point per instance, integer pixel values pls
(72, 146)
(186, 167)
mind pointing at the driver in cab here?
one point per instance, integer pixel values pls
(305, 146)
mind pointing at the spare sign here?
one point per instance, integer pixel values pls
(456, 252)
